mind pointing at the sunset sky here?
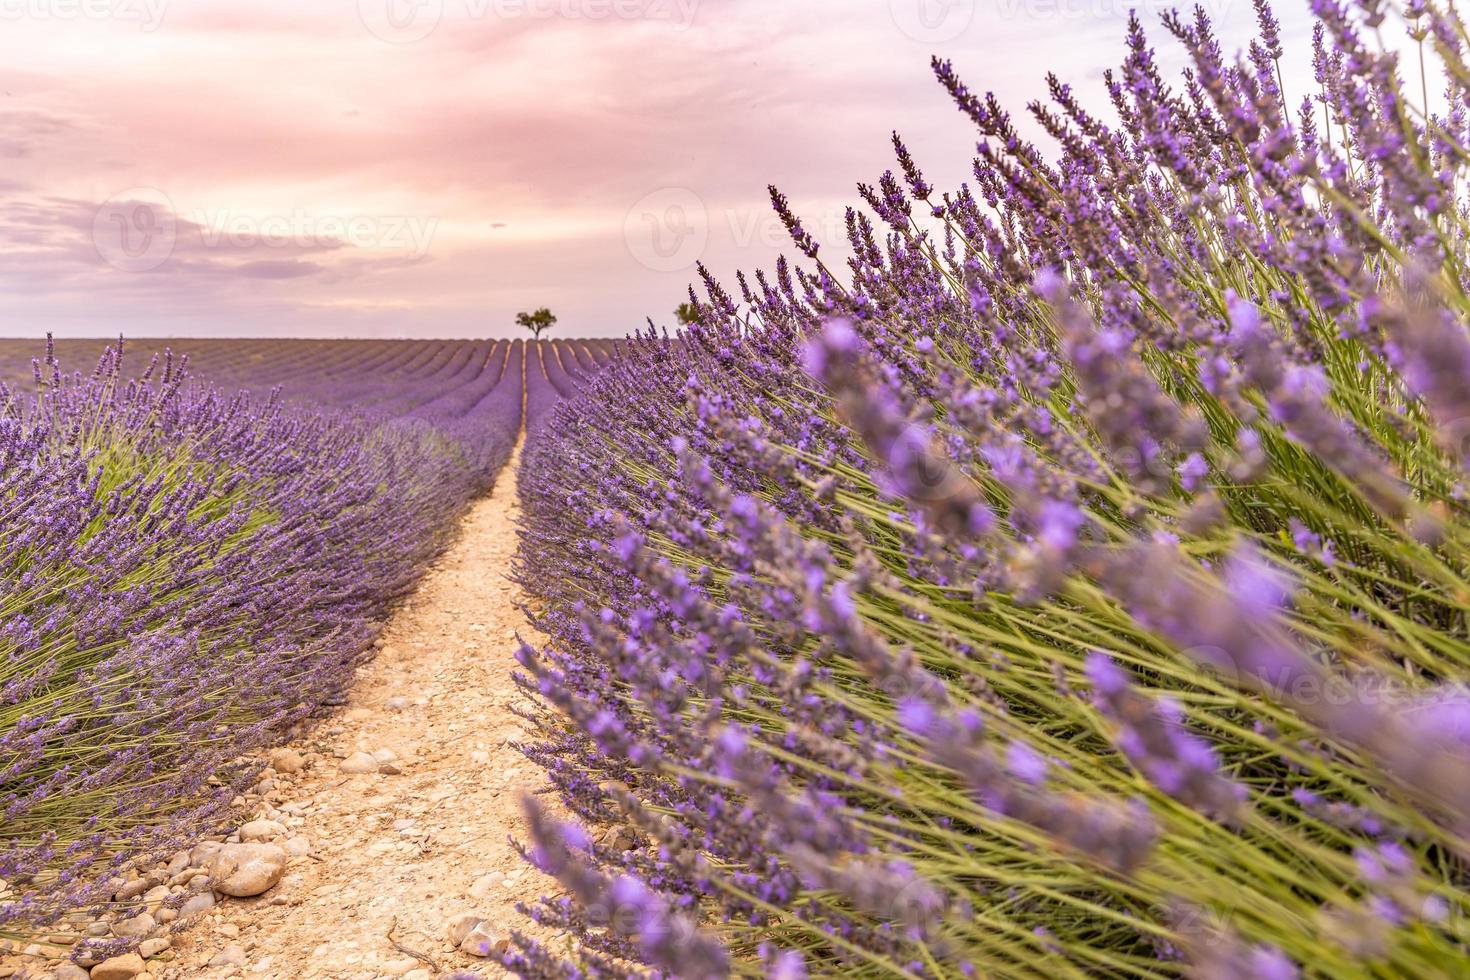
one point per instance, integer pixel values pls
(430, 167)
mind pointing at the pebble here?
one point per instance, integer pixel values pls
(203, 852)
(397, 704)
(229, 956)
(358, 763)
(461, 926)
(135, 928)
(483, 941)
(243, 870)
(133, 889)
(183, 877)
(197, 903)
(69, 971)
(257, 830)
(150, 948)
(297, 846)
(287, 761)
(124, 967)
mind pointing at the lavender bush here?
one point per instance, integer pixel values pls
(556, 371)
(1074, 586)
(186, 576)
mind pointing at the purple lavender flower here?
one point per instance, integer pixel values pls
(1151, 735)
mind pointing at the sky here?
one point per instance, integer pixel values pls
(429, 168)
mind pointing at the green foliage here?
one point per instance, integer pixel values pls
(538, 322)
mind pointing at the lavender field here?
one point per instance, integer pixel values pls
(193, 569)
(1070, 581)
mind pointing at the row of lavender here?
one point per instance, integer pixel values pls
(442, 381)
(187, 574)
(1076, 586)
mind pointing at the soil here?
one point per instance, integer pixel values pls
(395, 857)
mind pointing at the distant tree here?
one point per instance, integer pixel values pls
(542, 319)
(686, 313)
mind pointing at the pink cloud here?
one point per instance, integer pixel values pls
(317, 178)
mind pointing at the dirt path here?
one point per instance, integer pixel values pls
(408, 849)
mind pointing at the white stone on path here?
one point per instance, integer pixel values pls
(259, 830)
(243, 870)
(135, 928)
(359, 763)
(483, 941)
(150, 948)
(229, 956)
(287, 761)
(461, 926)
(197, 903)
(123, 967)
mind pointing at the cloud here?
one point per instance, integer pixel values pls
(310, 176)
(278, 269)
